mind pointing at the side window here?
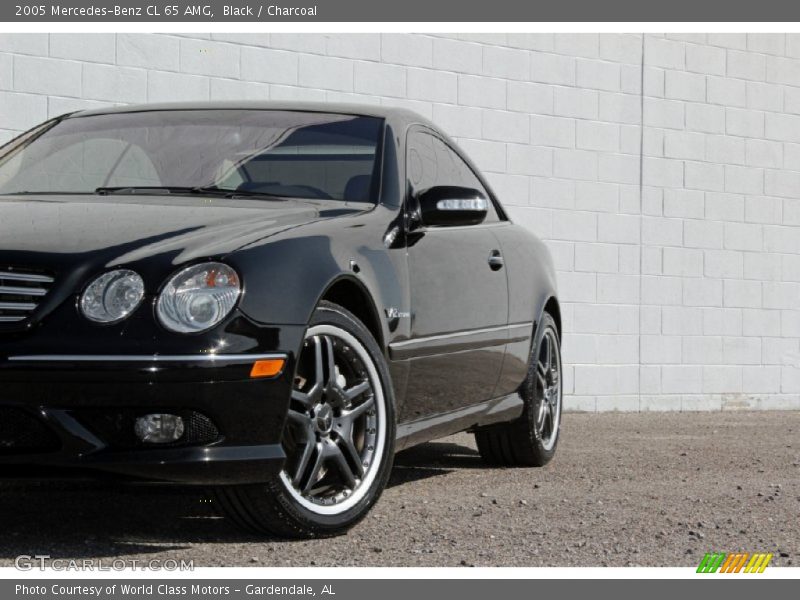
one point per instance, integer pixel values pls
(422, 166)
(432, 162)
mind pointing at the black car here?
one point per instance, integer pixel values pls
(270, 300)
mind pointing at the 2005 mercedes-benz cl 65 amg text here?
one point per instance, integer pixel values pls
(270, 300)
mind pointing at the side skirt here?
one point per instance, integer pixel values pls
(498, 410)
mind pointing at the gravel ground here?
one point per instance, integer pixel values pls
(624, 489)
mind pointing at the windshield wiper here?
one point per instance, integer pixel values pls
(155, 190)
(198, 190)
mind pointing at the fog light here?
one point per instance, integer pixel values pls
(159, 428)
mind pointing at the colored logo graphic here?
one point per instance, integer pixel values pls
(737, 562)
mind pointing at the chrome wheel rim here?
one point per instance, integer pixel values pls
(548, 389)
(336, 428)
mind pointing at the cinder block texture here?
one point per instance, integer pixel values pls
(730, 125)
(662, 171)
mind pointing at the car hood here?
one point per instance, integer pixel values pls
(50, 231)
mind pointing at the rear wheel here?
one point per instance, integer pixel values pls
(338, 439)
(531, 439)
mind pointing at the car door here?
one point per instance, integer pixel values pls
(458, 290)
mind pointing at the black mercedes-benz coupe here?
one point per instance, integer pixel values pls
(269, 300)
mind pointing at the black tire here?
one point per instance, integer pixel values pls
(524, 441)
(279, 507)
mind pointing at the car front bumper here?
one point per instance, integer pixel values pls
(64, 416)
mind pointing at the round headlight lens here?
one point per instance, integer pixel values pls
(112, 296)
(198, 297)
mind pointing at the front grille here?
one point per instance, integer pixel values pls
(23, 433)
(21, 291)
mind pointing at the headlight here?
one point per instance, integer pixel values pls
(198, 297)
(112, 296)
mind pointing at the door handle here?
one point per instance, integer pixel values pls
(496, 261)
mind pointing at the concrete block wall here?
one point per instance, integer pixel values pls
(662, 170)
(720, 291)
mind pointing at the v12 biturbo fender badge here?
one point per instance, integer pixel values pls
(395, 313)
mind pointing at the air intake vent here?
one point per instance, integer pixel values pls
(22, 433)
(21, 291)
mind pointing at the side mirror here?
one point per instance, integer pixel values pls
(447, 205)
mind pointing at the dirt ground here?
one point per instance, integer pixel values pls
(656, 489)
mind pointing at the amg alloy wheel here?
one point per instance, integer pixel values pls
(338, 438)
(531, 439)
(337, 422)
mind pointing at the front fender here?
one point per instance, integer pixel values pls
(286, 276)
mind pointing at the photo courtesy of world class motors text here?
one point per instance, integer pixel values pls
(163, 589)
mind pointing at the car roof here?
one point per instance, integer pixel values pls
(393, 114)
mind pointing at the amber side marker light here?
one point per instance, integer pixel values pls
(267, 368)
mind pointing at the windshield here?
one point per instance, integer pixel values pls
(249, 152)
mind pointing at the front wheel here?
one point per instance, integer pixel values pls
(338, 439)
(531, 439)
